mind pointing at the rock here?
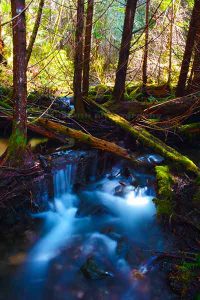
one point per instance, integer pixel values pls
(137, 275)
(92, 270)
(17, 259)
(119, 190)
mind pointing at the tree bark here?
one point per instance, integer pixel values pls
(2, 59)
(119, 88)
(19, 73)
(78, 60)
(87, 48)
(61, 130)
(171, 42)
(146, 47)
(194, 85)
(17, 154)
(35, 30)
(180, 90)
(1, 41)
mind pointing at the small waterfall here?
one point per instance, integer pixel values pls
(64, 180)
(58, 230)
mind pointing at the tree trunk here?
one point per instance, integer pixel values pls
(194, 85)
(146, 47)
(78, 60)
(119, 88)
(180, 90)
(87, 49)
(171, 43)
(35, 30)
(62, 131)
(2, 59)
(1, 42)
(17, 153)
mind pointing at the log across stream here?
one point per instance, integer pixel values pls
(97, 238)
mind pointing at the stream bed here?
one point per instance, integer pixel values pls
(97, 236)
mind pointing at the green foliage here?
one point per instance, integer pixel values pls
(51, 63)
(165, 4)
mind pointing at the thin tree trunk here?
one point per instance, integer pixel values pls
(189, 84)
(124, 53)
(2, 59)
(180, 91)
(171, 43)
(78, 60)
(146, 47)
(1, 42)
(35, 30)
(194, 85)
(19, 70)
(87, 49)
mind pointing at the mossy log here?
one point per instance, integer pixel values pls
(129, 108)
(148, 139)
(165, 181)
(53, 130)
(187, 104)
(60, 131)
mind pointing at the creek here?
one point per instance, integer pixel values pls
(98, 236)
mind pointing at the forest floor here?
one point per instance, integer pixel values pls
(178, 203)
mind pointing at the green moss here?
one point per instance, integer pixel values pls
(17, 143)
(165, 194)
(100, 89)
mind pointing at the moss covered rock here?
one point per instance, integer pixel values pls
(165, 181)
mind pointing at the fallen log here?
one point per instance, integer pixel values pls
(187, 104)
(129, 108)
(59, 132)
(59, 129)
(148, 139)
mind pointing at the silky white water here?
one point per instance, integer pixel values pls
(110, 220)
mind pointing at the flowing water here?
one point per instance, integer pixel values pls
(98, 238)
